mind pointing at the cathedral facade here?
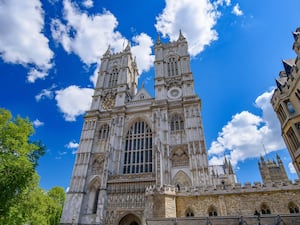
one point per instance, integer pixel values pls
(143, 160)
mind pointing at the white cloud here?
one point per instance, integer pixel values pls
(86, 36)
(89, 36)
(195, 18)
(88, 3)
(73, 101)
(236, 10)
(292, 168)
(142, 51)
(222, 2)
(45, 93)
(21, 38)
(243, 137)
(72, 144)
(37, 123)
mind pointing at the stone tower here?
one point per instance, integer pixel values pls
(286, 102)
(272, 171)
(131, 141)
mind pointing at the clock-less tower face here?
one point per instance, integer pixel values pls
(174, 93)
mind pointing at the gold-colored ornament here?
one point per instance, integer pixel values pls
(108, 101)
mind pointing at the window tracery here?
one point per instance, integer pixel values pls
(177, 122)
(212, 211)
(189, 212)
(172, 65)
(265, 209)
(113, 78)
(138, 149)
(103, 132)
(293, 208)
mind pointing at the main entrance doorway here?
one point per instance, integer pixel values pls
(130, 219)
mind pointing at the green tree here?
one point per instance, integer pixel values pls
(35, 206)
(18, 158)
(58, 196)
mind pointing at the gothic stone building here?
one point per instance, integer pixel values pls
(286, 102)
(143, 160)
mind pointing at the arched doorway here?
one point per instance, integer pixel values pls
(130, 219)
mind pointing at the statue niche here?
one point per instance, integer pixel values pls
(97, 166)
(180, 157)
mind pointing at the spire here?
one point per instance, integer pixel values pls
(127, 49)
(278, 159)
(107, 53)
(225, 162)
(230, 168)
(181, 37)
(158, 41)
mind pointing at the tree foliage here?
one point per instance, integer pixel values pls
(36, 206)
(18, 157)
(22, 201)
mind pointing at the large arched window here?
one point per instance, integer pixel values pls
(138, 149)
(177, 122)
(172, 66)
(113, 78)
(293, 208)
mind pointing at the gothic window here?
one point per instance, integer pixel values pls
(281, 114)
(290, 107)
(292, 139)
(113, 78)
(212, 211)
(265, 209)
(293, 208)
(297, 93)
(95, 205)
(297, 125)
(189, 212)
(177, 122)
(172, 66)
(103, 132)
(142, 97)
(138, 149)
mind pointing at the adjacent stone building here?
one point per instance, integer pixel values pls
(286, 102)
(143, 160)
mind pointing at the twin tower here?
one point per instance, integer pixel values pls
(131, 142)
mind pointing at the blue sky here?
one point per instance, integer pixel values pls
(50, 51)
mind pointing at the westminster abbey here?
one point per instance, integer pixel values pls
(143, 160)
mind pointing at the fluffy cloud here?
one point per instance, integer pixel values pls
(73, 101)
(142, 51)
(45, 93)
(195, 18)
(21, 25)
(88, 3)
(236, 10)
(88, 36)
(72, 144)
(244, 136)
(37, 123)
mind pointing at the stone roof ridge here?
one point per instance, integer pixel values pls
(142, 94)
